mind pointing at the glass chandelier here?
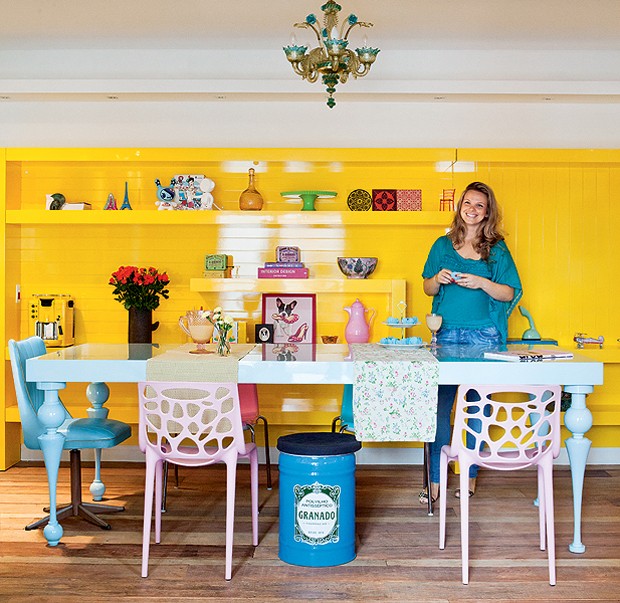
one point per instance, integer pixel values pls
(331, 59)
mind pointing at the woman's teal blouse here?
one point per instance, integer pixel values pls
(473, 308)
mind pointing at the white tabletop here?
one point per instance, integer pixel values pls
(320, 363)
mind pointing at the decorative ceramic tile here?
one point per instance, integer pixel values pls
(384, 199)
(359, 200)
(409, 199)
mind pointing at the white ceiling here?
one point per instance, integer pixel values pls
(455, 50)
(204, 24)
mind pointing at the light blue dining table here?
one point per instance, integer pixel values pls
(97, 364)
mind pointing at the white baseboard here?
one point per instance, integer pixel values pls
(366, 456)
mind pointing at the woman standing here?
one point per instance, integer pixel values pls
(475, 285)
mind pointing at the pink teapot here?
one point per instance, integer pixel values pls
(357, 329)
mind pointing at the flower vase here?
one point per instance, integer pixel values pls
(223, 345)
(141, 326)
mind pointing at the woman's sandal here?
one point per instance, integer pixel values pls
(423, 497)
(457, 493)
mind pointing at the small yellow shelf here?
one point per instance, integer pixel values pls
(231, 218)
(297, 285)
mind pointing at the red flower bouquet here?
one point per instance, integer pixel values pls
(139, 288)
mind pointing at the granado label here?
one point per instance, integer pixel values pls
(317, 512)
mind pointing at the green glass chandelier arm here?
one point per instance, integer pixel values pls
(307, 66)
(313, 27)
(361, 69)
(316, 57)
(360, 23)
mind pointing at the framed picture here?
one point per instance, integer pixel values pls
(293, 316)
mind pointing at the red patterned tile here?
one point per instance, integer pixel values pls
(384, 199)
(409, 199)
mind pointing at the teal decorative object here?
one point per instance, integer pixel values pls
(126, 204)
(309, 197)
(530, 333)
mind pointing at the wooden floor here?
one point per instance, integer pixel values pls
(397, 554)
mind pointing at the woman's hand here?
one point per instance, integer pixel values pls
(495, 290)
(432, 285)
(470, 281)
(444, 277)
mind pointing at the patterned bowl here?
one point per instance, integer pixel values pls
(357, 267)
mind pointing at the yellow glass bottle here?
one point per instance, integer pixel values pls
(250, 198)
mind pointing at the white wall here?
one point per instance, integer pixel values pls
(308, 124)
(169, 98)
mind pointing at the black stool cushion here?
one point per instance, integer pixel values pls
(322, 443)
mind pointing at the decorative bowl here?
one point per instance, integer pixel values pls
(357, 267)
(329, 338)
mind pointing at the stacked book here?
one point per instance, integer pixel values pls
(283, 270)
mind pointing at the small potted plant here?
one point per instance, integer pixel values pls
(140, 290)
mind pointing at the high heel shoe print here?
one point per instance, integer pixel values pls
(300, 335)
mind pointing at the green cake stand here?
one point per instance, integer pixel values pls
(309, 197)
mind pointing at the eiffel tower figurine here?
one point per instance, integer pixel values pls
(111, 202)
(126, 204)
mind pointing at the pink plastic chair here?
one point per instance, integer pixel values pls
(193, 424)
(512, 435)
(250, 416)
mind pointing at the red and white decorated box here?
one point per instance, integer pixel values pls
(383, 199)
(409, 199)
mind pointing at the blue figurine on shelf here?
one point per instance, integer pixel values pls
(126, 204)
(165, 195)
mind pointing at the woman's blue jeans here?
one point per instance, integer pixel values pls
(486, 337)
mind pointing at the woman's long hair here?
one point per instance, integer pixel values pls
(489, 232)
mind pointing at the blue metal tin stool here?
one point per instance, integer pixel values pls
(317, 498)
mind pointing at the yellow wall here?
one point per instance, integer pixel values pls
(560, 222)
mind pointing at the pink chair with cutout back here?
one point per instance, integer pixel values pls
(508, 435)
(193, 424)
(250, 415)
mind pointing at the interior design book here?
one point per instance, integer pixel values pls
(282, 273)
(284, 265)
(538, 355)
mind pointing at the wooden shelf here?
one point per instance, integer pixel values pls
(232, 218)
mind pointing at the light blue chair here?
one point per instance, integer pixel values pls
(79, 433)
(344, 422)
(346, 412)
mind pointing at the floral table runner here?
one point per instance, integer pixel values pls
(394, 393)
(180, 365)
